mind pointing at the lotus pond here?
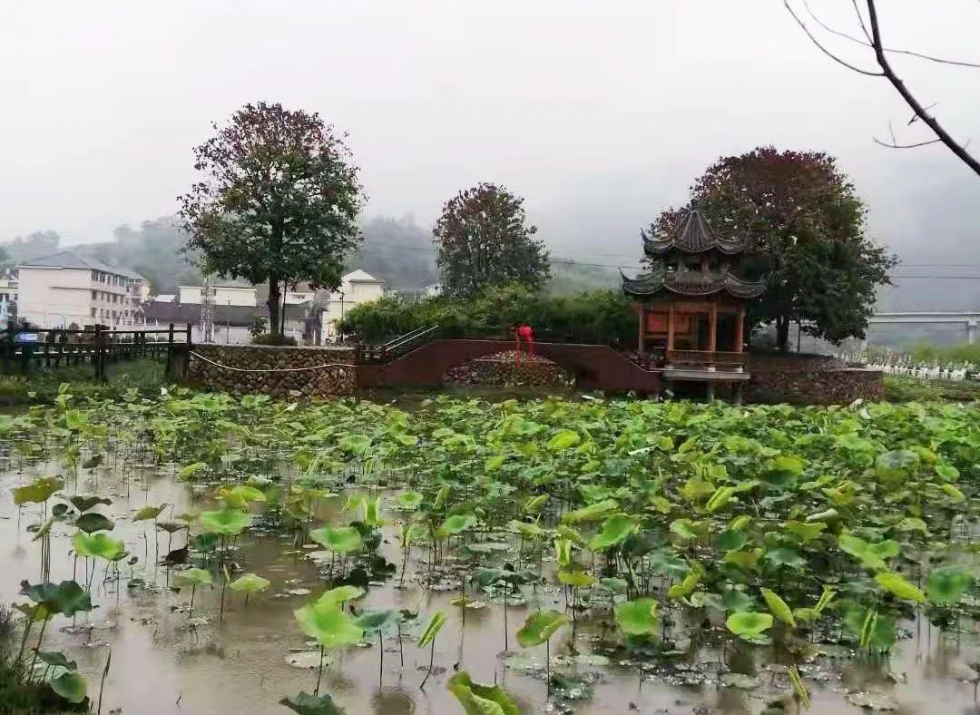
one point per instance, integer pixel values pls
(195, 553)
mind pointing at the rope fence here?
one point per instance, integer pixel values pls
(274, 369)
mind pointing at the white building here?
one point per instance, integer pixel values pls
(223, 295)
(67, 288)
(355, 288)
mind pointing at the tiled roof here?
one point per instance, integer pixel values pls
(70, 259)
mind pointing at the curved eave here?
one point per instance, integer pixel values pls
(649, 285)
(693, 235)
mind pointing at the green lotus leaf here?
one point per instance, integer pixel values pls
(225, 522)
(84, 503)
(456, 524)
(697, 489)
(329, 625)
(377, 620)
(238, 497)
(719, 499)
(785, 557)
(615, 585)
(593, 512)
(312, 704)
(190, 470)
(70, 686)
(171, 527)
(749, 624)
(639, 617)
(97, 546)
(539, 627)
(898, 586)
(576, 578)
(614, 532)
(735, 600)
(92, 462)
(340, 594)
(533, 505)
(342, 539)
(527, 529)
(38, 491)
(67, 597)
(92, 521)
(56, 658)
(249, 583)
(372, 513)
(730, 540)
(687, 529)
(479, 699)
(947, 585)
(804, 531)
(432, 628)
(45, 529)
(562, 440)
(195, 577)
(947, 472)
(409, 501)
(778, 607)
(912, 523)
(149, 512)
(873, 556)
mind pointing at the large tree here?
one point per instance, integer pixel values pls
(806, 227)
(277, 203)
(483, 239)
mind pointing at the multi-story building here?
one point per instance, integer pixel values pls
(355, 288)
(223, 295)
(67, 288)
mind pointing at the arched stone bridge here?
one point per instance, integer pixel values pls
(595, 367)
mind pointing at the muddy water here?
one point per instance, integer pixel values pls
(166, 661)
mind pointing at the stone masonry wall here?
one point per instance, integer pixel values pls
(810, 380)
(283, 380)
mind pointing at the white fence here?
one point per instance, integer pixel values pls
(898, 364)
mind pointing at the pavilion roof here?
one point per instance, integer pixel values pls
(692, 235)
(691, 283)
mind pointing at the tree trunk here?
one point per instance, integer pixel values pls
(273, 304)
(782, 333)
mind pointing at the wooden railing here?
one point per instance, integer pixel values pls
(706, 359)
(24, 349)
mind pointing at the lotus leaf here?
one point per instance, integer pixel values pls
(149, 512)
(56, 658)
(249, 583)
(778, 607)
(84, 503)
(377, 620)
(873, 556)
(195, 577)
(225, 522)
(38, 491)
(342, 539)
(593, 512)
(92, 521)
(340, 594)
(539, 627)
(312, 704)
(615, 529)
(70, 686)
(66, 598)
(98, 546)
(639, 617)
(479, 699)
(946, 585)
(749, 624)
(576, 578)
(432, 628)
(329, 625)
(457, 524)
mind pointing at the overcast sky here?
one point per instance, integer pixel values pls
(599, 113)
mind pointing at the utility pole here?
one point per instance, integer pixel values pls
(207, 311)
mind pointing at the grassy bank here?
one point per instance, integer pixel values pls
(900, 388)
(41, 386)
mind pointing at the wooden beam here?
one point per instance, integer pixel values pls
(740, 330)
(713, 328)
(670, 329)
(641, 350)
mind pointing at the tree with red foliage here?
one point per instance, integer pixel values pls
(278, 202)
(483, 240)
(806, 228)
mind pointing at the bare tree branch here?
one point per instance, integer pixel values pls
(893, 145)
(864, 28)
(900, 87)
(823, 49)
(870, 43)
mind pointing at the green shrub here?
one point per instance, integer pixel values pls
(593, 317)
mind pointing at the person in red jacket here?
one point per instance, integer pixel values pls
(523, 332)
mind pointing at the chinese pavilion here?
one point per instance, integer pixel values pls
(692, 302)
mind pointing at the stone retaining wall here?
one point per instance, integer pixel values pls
(810, 380)
(283, 380)
(503, 369)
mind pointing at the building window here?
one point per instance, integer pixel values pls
(95, 295)
(93, 312)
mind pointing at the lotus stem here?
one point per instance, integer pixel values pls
(432, 658)
(319, 675)
(23, 641)
(105, 672)
(37, 648)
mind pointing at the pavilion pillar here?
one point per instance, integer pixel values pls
(740, 330)
(642, 349)
(670, 330)
(713, 328)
